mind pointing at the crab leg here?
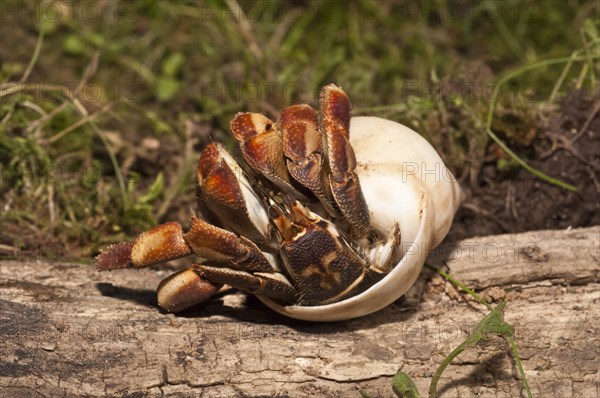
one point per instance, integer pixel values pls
(382, 255)
(272, 285)
(222, 246)
(345, 186)
(184, 289)
(244, 266)
(225, 194)
(302, 146)
(195, 285)
(168, 242)
(260, 141)
(162, 243)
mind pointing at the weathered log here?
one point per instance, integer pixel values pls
(68, 330)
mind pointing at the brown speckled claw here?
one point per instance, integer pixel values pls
(302, 146)
(219, 245)
(335, 107)
(260, 142)
(162, 243)
(184, 289)
(225, 194)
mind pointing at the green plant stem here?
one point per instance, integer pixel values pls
(561, 78)
(115, 163)
(34, 57)
(513, 347)
(506, 35)
(527, 167)
(443, 366)
(589, 58)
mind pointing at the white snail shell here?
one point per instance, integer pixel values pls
(404, 181)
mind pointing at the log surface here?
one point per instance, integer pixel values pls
(67, 330)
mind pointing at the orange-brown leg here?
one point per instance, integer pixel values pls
(345, 186)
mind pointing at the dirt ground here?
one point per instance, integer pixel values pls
(568, 148)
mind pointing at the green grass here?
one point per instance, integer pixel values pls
(102, 118)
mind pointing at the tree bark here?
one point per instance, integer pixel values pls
(68, 330)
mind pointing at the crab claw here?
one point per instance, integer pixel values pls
(302, 145)
(225, 192)
(345, 186)
(184, 289)
(220, 245)
(162, 243)
(272, 285)
(260, 142)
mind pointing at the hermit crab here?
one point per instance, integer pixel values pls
(329, 218)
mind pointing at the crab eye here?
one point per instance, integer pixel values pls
(274, 211)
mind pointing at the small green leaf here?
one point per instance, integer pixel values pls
(493, 323)
(153, 190)
(11, 68)
(74, 45)
(160, 126)
(166, 88)
(172, 64)
(50, 18)
(97, 39)
(404, 387)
